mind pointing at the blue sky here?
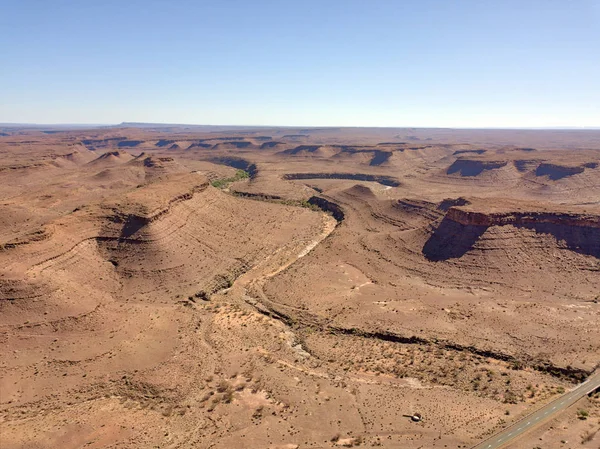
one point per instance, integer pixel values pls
(448, 63)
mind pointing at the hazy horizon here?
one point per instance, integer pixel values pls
(222, 125)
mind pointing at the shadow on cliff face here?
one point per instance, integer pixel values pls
(132, 225)
(328, 206)
(451, 240)
(380, 157)
(383, 180)
(580, 239)
(236, 162)
(468, 167)
(555, 172)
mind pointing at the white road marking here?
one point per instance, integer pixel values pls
(569, 399)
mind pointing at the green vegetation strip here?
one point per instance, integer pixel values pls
(222, 183)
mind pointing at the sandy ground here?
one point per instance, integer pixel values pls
(356, 277)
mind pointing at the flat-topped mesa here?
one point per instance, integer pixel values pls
(480, 227)
(559, 171)
(473, 218)
(474, 167)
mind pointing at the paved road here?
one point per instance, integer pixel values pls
(548, 411)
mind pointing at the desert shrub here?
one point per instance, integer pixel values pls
(582, 414)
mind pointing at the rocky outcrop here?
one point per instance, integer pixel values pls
(473, 218)
(451, 202)
(35, 236)
(151, 161)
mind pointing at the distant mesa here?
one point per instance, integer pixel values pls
(555, 171)
(457, 152)
(223, 139)
(295, 136)
(383, 180)
(271, 144)
(302, 149)
(474, 167)
(94, 144)
(238, 144)
(129, 143)
(164, 142)
(199, 145)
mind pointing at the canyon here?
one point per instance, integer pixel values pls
(165, 286)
